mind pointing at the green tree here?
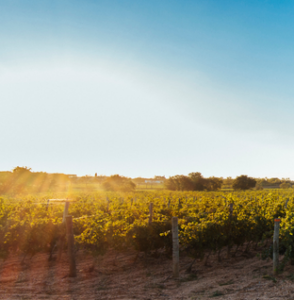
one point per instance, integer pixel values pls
(243, 182)
(118, 183)
(21, 179)
(193, 182)
(170, 184)
(285, 185)
(213, 183)
(259, 187)
(198, 181)
(179, 183)
(86, 179)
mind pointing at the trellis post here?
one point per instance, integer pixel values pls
(286, 204)
(70, 244)
(175, 237)
(150, 213)
(65, 211)
(276, 246)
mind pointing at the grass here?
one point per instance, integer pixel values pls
(101, 288)
(291, 277)
(268, 277)
(154, 286)
(191, 277)
(216, 294)
(227, 283)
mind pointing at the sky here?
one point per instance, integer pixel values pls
(145, 88)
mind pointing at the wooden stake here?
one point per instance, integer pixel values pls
(150, 213)
(65, 212)
(276, 246)
(231, 210)
(47, 206)
(107, 199)
(286, 204)
(70, 243)
(62, 237)
(175, 236)
(230, 218)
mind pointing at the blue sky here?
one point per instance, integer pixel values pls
(144, 88)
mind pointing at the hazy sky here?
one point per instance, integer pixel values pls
(144, 88)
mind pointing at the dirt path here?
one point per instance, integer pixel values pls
(122, 276)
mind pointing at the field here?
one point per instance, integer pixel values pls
(216, 230)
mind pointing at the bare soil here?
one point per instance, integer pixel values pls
(129, 276)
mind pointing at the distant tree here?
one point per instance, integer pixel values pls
(139, 180)
(18, 181)
(243, 182)
(274, 181)
(73, 179)
(259, 187)
(193, 182)
(21, 170)
(118, 183)
(285, 185)
(99, 178)
(228, 181)
(127, 186)
(213, 183)
(86, 179)
(198, 181)
(53, 184)
(170, 184)
(179, 183)
(261, 182)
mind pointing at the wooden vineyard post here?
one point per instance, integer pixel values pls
(286, 204)
(107, 199)
(150, 213)
(175, 236)
(47, 206)
(70, 243)
(230, 224)
(231, 210)
(65, 212)
(276, 246)
(179, 204)
(168, 204)
(61, 240)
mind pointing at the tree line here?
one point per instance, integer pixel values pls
(23, 180)
(196, 182)
(193, 182)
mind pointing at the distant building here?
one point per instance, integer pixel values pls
(72, 175)
(154, 181)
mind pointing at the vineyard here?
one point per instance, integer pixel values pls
(208, 222)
